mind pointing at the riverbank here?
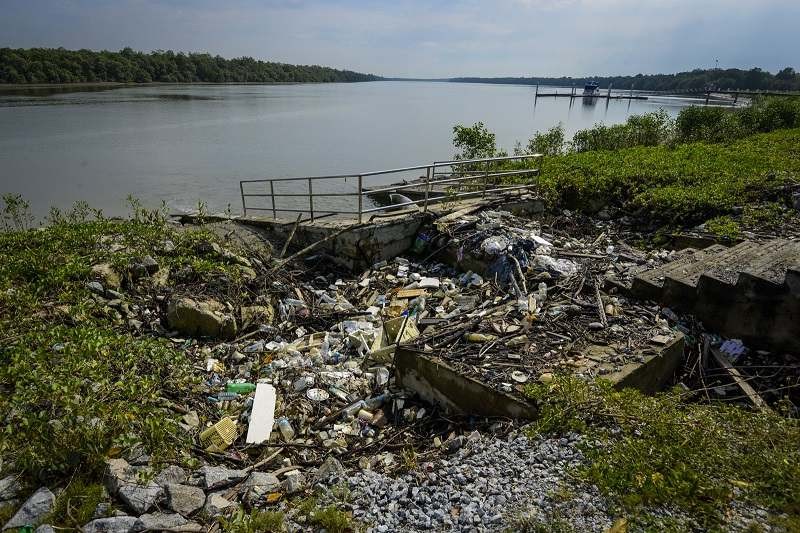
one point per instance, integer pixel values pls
(121, 339)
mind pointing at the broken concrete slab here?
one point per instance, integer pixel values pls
(440, 384)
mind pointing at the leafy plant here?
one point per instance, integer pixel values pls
(657, 450)
(474, 142)
(16, 213)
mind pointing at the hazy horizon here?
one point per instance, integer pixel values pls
(415, 39)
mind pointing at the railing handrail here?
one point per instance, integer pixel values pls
(426, 181)
(395, 170)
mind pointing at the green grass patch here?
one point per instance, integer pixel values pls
(256, 521)
(76, 504)
(654, 450)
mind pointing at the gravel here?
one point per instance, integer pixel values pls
(488, 485)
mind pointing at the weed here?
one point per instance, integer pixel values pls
(332, 520)
(409, 458)
(659, 450)
(724, 227)
(76, 504)
(16, 213)
(256, 521)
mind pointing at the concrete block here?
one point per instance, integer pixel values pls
(440, 384)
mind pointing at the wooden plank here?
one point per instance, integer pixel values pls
(752, 395)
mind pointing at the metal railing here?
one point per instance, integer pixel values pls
(443, 181)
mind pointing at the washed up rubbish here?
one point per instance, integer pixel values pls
(519, 377)
(317, 395)
(479, 337)
(220, 436)
(494, 245)
(558, 267)
(733, 349)
(262, 417)
(397, 330)
(286, 429)
(240, 388)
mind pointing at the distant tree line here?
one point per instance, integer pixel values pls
(699, 79)
(57, 65)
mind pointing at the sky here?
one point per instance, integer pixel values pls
(435, 38)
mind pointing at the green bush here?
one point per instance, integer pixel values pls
(649, 129)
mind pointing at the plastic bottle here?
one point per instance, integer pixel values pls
(241, 388)
(286, 429)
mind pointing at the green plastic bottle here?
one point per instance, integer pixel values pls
(241, 388)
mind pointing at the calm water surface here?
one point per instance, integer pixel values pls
(187, 143)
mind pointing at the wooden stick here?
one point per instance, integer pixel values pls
(291, 235)
(310, 247)
(757, 400)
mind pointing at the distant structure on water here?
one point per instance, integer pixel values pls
(592, 88)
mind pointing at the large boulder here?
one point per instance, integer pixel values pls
(200, 318)
(34, 510)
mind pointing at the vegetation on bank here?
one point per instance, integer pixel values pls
(660, 450)
(57, 65)
(705, 164)
(699, 79)
(79, 383)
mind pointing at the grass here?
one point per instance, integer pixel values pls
(256, 521)
(77, 383)
(660, 450)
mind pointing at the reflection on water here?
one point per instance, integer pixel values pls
(184, 143)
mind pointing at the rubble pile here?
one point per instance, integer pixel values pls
(296, 380)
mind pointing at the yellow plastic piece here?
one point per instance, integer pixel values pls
(220, 436)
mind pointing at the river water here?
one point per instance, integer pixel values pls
(186, 143)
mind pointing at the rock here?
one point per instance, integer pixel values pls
(215, 477)
(331, 468)
(150, 264)
(796, 201)
(167, 521)
(96, 287)
(33, 511)
(105, 274)
(10, 487)
(184, 499)
(140, 498)
(264, 314)
(595, 326)
(203, 318)
(258, 484)
(454, 444)
(171, 475)
(45, 528)
(216, 504)
(294, 482)
(114, 524)
(118, 472)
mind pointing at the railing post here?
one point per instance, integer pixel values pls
(427, 187)
(311, 199)
(360, 198)
(244, 205)
(272, 197)
(485, 178)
